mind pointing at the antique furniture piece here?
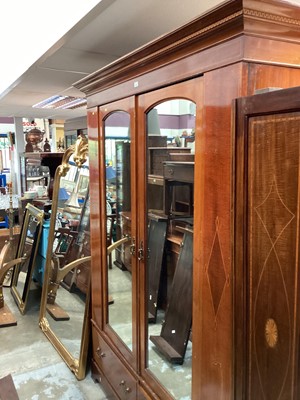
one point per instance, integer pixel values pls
(233, 50)
(158, 156)
(266, 270)
(178, 174)
(38, 169)
(64, 314)
(22, 283)
(156, 247)
(175, 332)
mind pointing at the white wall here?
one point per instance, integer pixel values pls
(5, 128)
(29, 28)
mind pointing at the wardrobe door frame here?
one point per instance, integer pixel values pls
(189, 90)
(126, 105)
(272, 103)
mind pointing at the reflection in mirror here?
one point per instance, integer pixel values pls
(118, 209)
(65, 298)
(170, 171)
(22, 283)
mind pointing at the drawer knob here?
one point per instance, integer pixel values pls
(100, 353)
(171, 171)
(126, 389)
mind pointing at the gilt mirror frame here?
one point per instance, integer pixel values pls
(21, 299)
(77, 365)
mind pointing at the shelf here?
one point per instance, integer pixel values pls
(35, 178)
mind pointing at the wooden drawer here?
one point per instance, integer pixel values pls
(99, 377)
(142, 395)
(114, 371)
(179, 171)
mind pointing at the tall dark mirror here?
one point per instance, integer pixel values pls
(170, 201)
(64, 311)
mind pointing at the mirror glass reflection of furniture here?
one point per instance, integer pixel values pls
(64, 316)
(22, 283)
(170, 177)
(116, 203)
(159, 204)
(118, 216)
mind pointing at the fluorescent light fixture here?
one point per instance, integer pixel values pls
(61, 102)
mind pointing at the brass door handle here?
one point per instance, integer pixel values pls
(141, 251)
(132, 247)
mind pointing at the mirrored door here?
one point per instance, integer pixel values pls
(119, 227)
(169, 118)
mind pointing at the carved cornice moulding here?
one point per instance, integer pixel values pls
(272, 19)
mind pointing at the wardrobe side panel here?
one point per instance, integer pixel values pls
(212, 312)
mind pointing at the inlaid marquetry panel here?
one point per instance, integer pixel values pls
(271, 267)
(216, 271)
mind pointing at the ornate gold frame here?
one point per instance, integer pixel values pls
(21, 298)
(53, 279)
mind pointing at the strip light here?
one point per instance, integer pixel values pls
(61, 102)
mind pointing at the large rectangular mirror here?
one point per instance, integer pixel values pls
(64, 313)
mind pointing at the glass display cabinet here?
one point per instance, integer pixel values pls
(38, 169)
(160, 127)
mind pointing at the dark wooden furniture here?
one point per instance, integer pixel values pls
(267, 313)
(178, 174)
(156, 248)
(157, 157)
(234, 50)
(83, 272)
(156, 192)
(175, 332)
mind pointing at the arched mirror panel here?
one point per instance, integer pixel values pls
(170, 127)
(118, 224)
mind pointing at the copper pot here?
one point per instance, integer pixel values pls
(34, 136)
